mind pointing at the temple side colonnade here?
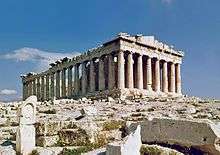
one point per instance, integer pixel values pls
(127, 64)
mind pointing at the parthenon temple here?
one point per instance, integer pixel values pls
(124, 66)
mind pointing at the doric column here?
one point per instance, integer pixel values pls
(38, 89)
(91, 76)
(47, 87)
(30, 88)
(52, 85)
(111, 72)
(58, 84)
(76, 79)
(101, 74)
(64, 83)
(130, 82)
(172, 78)
(24, 90)
(70, 81)
(84, 78)
(165, 78)
(34, 87)
(149, 74)
(157, 75)
(43, 88)
(139, 72)
(121, 72)
(178, 79)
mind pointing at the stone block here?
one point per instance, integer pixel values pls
(25, 139)
(129, 146)
(7, 150)
(200, 134)
(73, 137)
(49, 128)
(47, 141)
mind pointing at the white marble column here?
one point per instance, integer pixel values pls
(47, 87)
(76, 79)
(101, 74)
(70, 81)
(42, 88)
(139, 72)
(30, 88)
(130, 82)
(92, 76)
(52, 86)
(149, 74)
(111, 72)
(58, 84)
(178, 79)
(24, 90)
(172, 78)
(121, 72)
(38, 89)
(34, 87)
(84, 78)
(157, 75)
(64, 83)
(165, 78)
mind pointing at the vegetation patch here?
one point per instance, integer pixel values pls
(150, 151)
(34, 152)
(49, 111)
(112, 125)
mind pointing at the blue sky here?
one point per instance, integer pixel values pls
(30, 29)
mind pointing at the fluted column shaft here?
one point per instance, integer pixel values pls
(101, 74)
(139, 72)
(58, 84)
(30, 88)
(157, 75)
(165, 78)
(84, 78)
(52, 85)
(111, 72)
(178, 79)
(172, 78)
(34, 87)
(64, 83)
(70, 80)
(38, 88)
(42, 88)
(121, 76)
(24, 90)
(130, 82)
(149, 74)
(92, 76)
(47, 87)
(76, 79)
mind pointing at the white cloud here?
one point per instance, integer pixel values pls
(8, 92)
(41, 58)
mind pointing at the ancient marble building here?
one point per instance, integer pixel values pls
(124, 66)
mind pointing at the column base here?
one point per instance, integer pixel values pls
(127, 93)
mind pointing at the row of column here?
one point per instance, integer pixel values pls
(159, 76)
(119, 70)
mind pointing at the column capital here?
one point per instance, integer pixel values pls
(70, 67)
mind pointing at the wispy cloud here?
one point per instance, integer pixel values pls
(8, 92)
(167, 1)
(41, 58)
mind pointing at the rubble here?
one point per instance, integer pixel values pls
(102, 121)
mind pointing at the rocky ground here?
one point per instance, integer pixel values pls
(71, 124)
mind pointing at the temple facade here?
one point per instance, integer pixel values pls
(124, 66)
